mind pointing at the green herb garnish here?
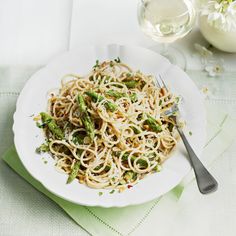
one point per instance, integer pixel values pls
(42, 148)
(117, 60)
(111, 64)
(97, 64)
(157, 168)
(133, 97)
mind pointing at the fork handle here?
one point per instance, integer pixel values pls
(205, 181)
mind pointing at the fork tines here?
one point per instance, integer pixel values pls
(160, 82)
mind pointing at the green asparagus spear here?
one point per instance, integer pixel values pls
(98, 98)
(115, 94)
(85, 118)
(107, 168)
(81, 103)
(95, 97)
(140, 161)
(73, 172)
(118, 95)
(88, 125)
(152, 123)
(130, 83)
(51, 124)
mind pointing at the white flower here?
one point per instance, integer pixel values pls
(221, 15)
(231, 16)
(232, 8)
(215, 69)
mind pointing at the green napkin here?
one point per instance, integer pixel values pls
(136, 220)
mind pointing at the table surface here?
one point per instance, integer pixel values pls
(41, 30)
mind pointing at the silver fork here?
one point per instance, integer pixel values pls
(205, 181)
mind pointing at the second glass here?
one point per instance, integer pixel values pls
(166, 21)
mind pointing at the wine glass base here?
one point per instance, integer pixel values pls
(174, 55)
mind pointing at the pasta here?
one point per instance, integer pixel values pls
(108, 129)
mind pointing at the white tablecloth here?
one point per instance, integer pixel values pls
(32, 32)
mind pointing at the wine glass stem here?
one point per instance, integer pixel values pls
(165, 50)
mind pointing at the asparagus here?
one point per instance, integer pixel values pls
(51, 124)
(140, 161)
(107, 168)
(152, 123)
(95, 97)
(74, 172)
(130, 83)
(98, 98)
(115, 94)
(85, 118)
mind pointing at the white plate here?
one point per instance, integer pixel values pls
(33, 99)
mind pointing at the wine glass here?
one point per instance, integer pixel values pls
(165, 22)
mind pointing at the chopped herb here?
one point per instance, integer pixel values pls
(42, 148)
(130, 176)
(78, 138)
(97, 64)
(112, 191)
(111, 64)
(117, 60)
(45, 162)
(122, 182)
(190, 133)
(157, 168)
(136, 131)
(133, 97)
(100, 193)
(177, 99)
(160, 102)
(128, 74)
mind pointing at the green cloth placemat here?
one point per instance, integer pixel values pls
(135, 220)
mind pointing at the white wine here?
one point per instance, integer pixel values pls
(166, 21)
